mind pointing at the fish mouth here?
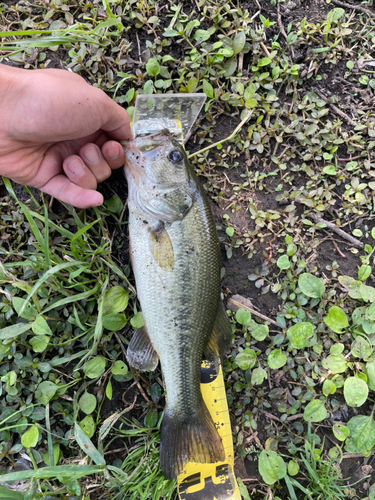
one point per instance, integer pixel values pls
(145, 147)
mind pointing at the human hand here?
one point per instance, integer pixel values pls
(55, 132)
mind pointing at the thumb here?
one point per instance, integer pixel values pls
(116, 121)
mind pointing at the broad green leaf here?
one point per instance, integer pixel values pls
(315, 411)
(299, 333)
(56, 455)
(147, 89)
(367, 293)
(151, 418)
(45, 391)
(271, 466)
(230, 66)
(355, 391)
(362, 434)
(330, 170)
(246, 359)
(258, 375)
(335, 14)
(115, 300)
(249, 92)
(86, 444)
(152, 67)
(283, 262)
(370, 372)
(87, 403)
(114, 321)
(243, 316)
(243, 490)
(336, 363)
(276, 359)
(40, 326)
(119, 368)
(264, 61)
(29, 439)
(337, 348)
(311, 285)
(192, 84)
(95, 367)
(202, 35)
(341, 432)
(39, 342)
(239, 42)
(328, 387)
(73, 488)
(258, 331)
(88, 426)
(336, 319)
(293, 468)
(23, 308)
(208, 89)
(311, 129)
(361, 348)
(12, 331)
(137, 320)
(108, 390)
(364, 272)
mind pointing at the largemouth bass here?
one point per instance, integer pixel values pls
(175, 258)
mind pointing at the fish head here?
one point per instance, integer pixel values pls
(157, 158)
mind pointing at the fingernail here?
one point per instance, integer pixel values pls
(76, 168)
(113, 151)
(91, 155)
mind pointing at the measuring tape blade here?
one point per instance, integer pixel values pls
(212, 481)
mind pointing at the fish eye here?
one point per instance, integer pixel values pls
(175, 156)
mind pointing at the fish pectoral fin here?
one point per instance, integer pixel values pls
(161, 248)
(221, 337)
(141, 354)
(193, 438)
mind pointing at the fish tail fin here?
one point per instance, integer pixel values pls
(192, 439)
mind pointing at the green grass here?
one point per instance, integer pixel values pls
(291, 158)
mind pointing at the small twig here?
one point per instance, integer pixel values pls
(354, 7)
(142, 391)
(253, 311)
(280, 23)
(356, 455)
(139, 46)
(338, 231)
(264, 48)
(224, 140)
(295, 417)
(336, 110)
(350, 159)
(240, 62)
(272, 417)
(121, 345)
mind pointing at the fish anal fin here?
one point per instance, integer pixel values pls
(161, 249)
(221, 337)
(141, 354)
(193, 439)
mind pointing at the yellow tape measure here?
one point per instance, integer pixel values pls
(212, 481)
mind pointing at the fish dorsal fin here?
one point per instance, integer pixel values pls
(221, 337)
(161, 249)
(141, 353)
